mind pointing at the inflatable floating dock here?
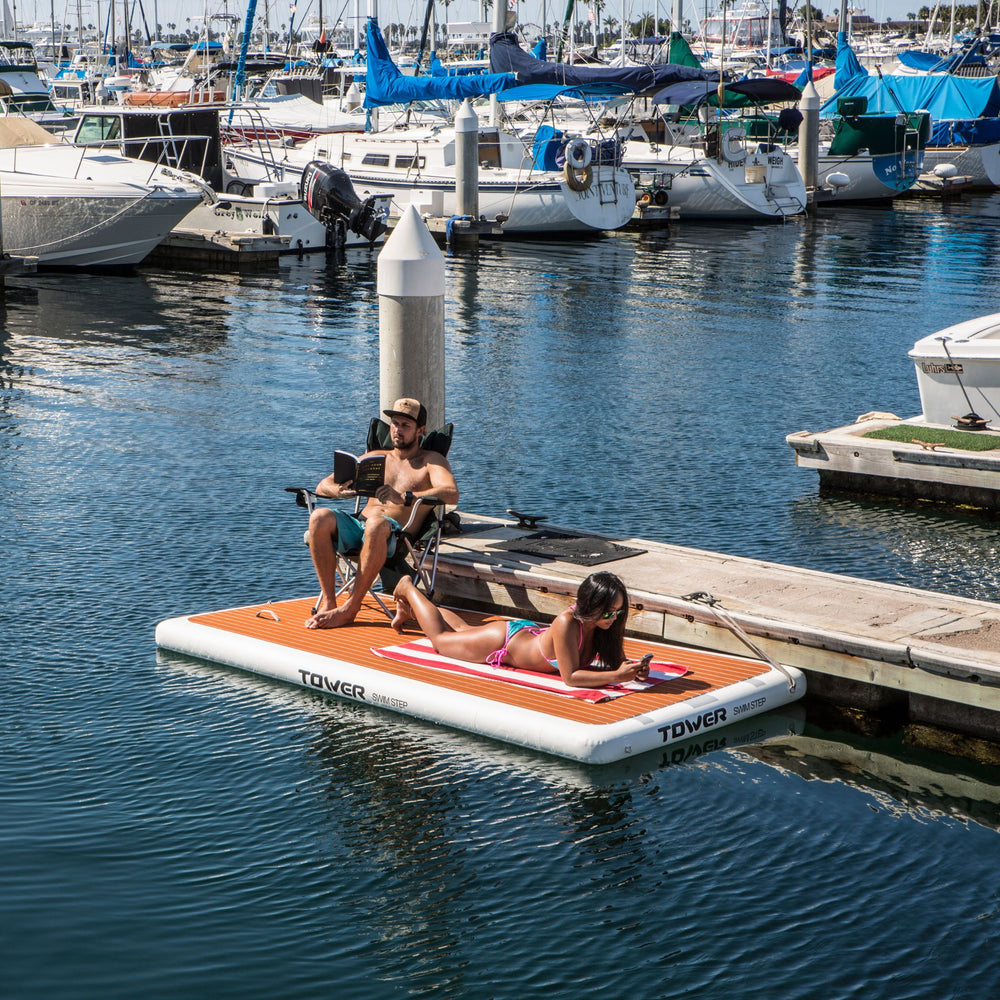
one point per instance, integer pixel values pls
(691, 691)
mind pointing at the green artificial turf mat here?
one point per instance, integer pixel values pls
(962, 440)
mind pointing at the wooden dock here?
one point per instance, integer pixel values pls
(878, 653)
(915, 468)
(203, 247)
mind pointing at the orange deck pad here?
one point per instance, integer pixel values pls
(708, 671)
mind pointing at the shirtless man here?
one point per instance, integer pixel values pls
(410, 473)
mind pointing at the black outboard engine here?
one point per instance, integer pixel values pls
(330, 196)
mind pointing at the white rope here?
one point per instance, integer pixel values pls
(701, 597)
(84, 232)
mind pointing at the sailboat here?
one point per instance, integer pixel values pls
(417, 164)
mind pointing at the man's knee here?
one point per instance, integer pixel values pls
(378, 530)
(322, 522)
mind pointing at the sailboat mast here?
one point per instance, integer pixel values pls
(423, 35)
(563, 31)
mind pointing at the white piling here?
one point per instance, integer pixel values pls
(411, 317)
(467, 160)
(809, 136)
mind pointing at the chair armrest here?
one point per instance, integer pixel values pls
(303, 497)
(430, 501)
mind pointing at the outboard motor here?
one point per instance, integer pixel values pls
(329, 195)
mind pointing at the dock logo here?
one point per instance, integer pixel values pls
(688, 727)
(323, 683)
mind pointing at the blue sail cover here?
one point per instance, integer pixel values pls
(506, 56)
(385, 84)
(847, 63)
(943, 96)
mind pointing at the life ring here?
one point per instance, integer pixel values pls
(645, 199)
(733, 150)
(578, 153)
(578, 180)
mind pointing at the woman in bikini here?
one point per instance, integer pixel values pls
(592, 629)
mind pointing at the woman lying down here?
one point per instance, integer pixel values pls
(592, 629)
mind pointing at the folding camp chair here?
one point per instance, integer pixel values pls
(416, 553)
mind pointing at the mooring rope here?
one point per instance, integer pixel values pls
(702, 597)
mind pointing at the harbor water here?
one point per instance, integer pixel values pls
(171, 828)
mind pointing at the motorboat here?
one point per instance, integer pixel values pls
(958, 371)
(74, 206)
(287, 211)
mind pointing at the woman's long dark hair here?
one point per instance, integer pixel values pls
(596, 596)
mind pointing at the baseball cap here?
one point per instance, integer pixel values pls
(411, 408)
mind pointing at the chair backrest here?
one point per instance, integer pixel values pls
(438, 440)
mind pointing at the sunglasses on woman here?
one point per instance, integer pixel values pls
(611, 614)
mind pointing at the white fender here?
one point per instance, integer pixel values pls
(579, 154)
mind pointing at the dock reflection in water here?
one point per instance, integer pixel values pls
(172, 827)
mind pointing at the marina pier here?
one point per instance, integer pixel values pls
(913, 657)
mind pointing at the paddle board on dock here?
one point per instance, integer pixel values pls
(693, 691)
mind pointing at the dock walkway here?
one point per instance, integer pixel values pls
(927, 658)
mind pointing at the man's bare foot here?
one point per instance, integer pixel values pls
(334, 618)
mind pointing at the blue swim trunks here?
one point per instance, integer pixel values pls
(351, 533)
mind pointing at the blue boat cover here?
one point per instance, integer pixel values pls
(944, 96)
(385, 84)
(965, 132)
(925, 62)
(847, 63)
(507, 56)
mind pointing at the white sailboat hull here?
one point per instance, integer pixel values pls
(980, 162)
(764, 185)
(528, 202)
(869, 178)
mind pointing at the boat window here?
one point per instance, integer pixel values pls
(99, 128)
(410, 162)
(375, 160)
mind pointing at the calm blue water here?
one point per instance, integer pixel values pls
(171, 829)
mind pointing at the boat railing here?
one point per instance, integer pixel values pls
(248, 128)
(172, 153)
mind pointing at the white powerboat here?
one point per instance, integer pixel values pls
(73, 206)
(958, 371)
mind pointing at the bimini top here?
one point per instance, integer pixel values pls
(551, 91)
(975, 338)
(762, 90)
(507, 56)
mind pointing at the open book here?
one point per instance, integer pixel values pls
(366, 474)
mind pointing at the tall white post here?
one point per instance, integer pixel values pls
(467, 160)
(410, 287)
(809, 136)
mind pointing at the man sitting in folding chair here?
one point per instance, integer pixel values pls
(411, 472)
